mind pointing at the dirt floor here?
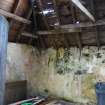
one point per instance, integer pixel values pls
(62, 102)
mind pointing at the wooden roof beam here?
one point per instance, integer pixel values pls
(52, 32)
(83, 9)
(24, 26)
(15, 17)
(26, 34)
(57, 31)
(84, 25)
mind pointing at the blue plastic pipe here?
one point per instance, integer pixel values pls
(100, 91)
(4, 27)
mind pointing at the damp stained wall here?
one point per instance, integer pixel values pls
(64, 73)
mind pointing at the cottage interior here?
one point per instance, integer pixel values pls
(52, 52)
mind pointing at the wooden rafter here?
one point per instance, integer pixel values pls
(17, 3)
(14, 11)
(23, 27)
(83, 9)
(15, 17)
(26, 21)
(18, 34)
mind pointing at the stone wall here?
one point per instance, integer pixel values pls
(67, 73)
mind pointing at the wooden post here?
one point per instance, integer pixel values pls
(3, 54)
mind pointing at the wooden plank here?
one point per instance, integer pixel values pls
(15, 91)
(15, 17)
(15, 8)
(16, 83)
